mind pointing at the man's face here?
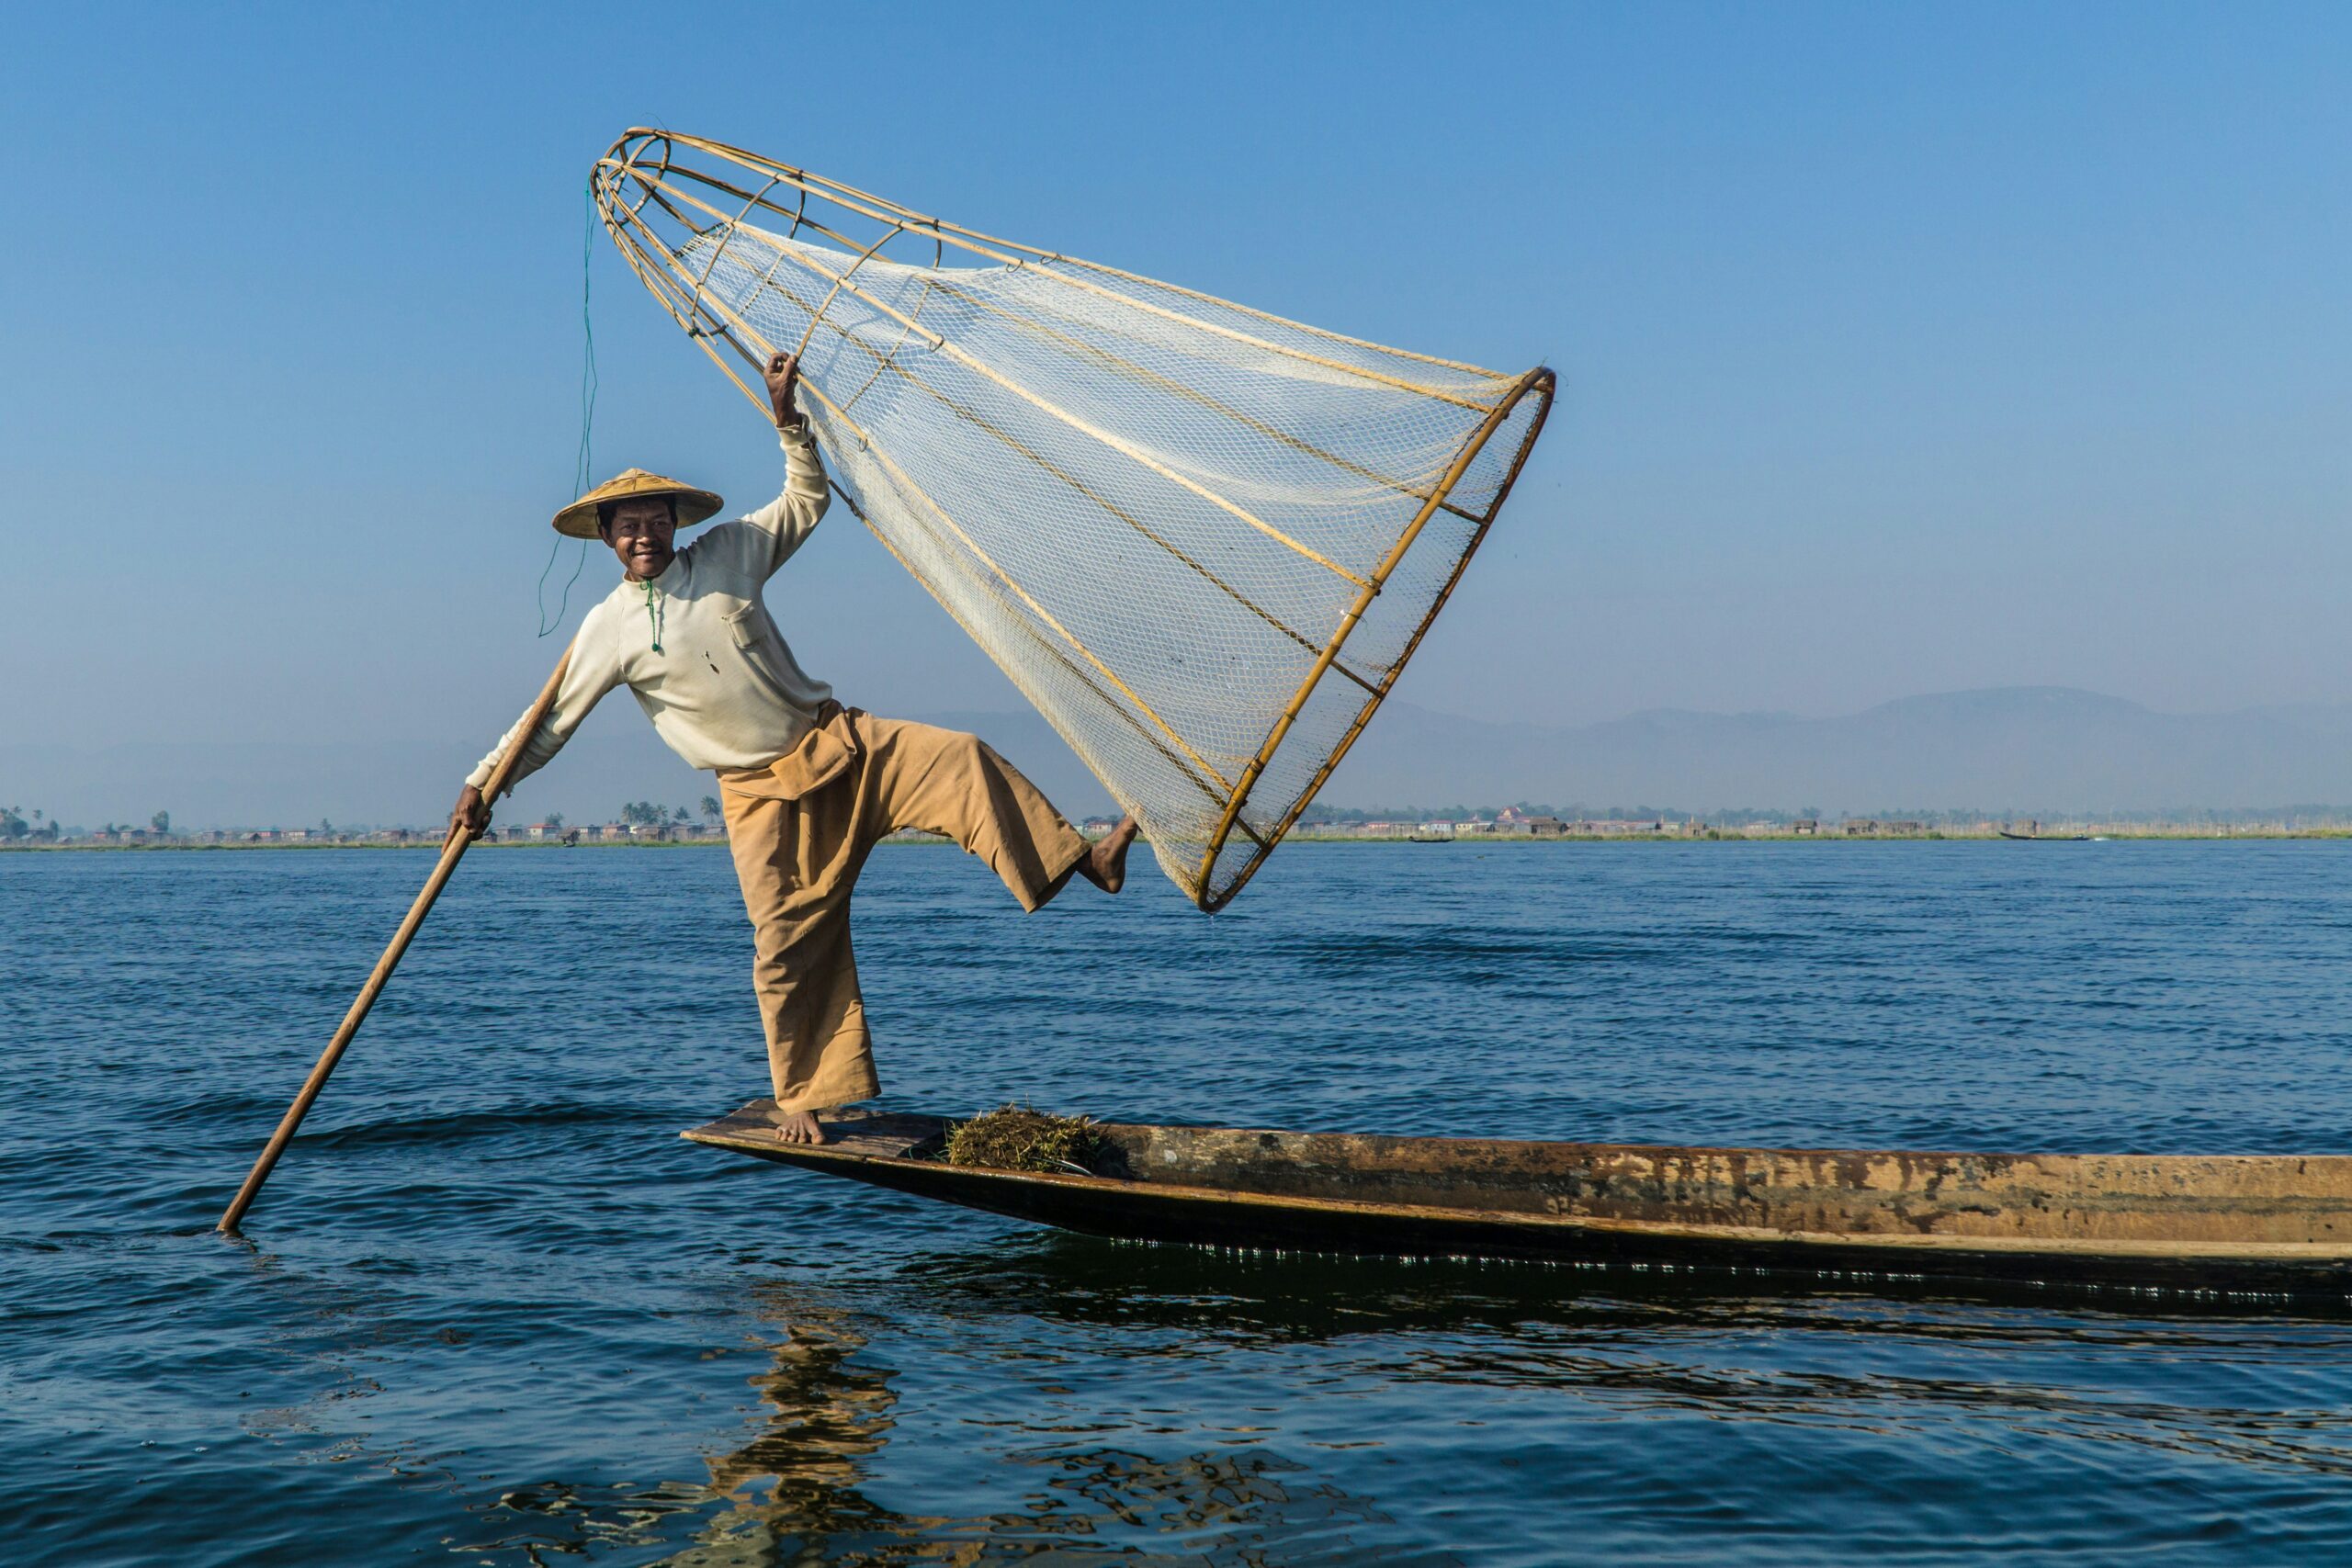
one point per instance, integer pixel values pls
(640, 534)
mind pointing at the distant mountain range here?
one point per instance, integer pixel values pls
(2043, 750)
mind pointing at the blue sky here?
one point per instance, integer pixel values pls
(1903, 349)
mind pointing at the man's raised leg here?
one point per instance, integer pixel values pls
(942, 781)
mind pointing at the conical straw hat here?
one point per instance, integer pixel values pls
(578, 519)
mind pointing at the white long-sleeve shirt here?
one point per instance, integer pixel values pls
(696, 645)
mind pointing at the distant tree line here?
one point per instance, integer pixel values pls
(649, 813)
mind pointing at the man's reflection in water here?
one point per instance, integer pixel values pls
(795, 1495)
(794, 1486)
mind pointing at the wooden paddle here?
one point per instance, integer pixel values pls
(451, 853)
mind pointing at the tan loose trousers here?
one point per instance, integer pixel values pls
(800, 829)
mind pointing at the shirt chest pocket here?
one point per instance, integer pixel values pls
(748, 628)
(754, 640)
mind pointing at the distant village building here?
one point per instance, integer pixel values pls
(1617, 828)
(1806, 827)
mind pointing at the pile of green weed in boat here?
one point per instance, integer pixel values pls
(1015, 1138)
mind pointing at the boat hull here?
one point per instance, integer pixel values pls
(2248, 1224)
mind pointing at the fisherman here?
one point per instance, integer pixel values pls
(807, 786)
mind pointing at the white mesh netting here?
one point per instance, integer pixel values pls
(1201, 539)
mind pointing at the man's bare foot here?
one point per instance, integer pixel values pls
(1105, 865)
(797, 1127)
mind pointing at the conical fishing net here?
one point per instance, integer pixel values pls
(1202, 540)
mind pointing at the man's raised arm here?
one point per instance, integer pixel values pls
(765, 539)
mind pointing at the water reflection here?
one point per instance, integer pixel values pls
(801, 1489)
(1069, 1479)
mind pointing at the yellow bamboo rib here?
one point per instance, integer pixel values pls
(881, 361)
(732, 229)
(817, 314)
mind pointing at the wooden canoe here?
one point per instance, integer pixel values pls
(2269, 1224)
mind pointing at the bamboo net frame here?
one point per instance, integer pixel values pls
(1056, 448)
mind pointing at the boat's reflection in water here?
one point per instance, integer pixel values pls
(1618, 1344)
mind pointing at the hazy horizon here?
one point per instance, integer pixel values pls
(2015, 752)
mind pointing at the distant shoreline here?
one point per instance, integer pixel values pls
(1483, 840)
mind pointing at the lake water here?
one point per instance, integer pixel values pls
(492, 1311)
